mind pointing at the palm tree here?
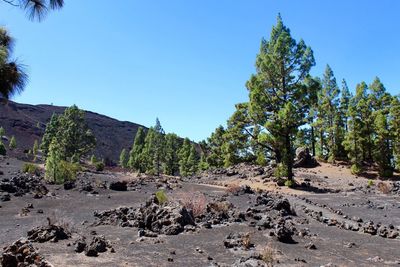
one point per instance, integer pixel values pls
(36, 9)
(12, 75)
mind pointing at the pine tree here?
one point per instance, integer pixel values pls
(203, 165)
(279, 98)
(58, 170)
(188, 159)
(51, 131)
(364, 112)
(76, 136)
(382, 153)
(135, 158)
(3, 150)
(13, 143)
(53, 162)
(193, 160)
(237, 139)
(35, 148)
(395, 129)
(123, 159)
(172, 145)
(327, 116)
(214, 148)
(71, 130)
(353, 138)
(152, 155)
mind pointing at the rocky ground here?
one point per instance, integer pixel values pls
(233, 217)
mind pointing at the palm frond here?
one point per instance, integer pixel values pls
(6, 40)
(13, 79)
(56, 4)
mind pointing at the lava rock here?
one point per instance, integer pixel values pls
(118, 186)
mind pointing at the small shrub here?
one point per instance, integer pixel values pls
(355, 169)
(384, 188)
(93, 160)
(280, 171)
(222, 207)
(246, 241)
(161, 197)
(13, 143)
(268, 255)
(31, 169)
(233, 188)
(99, 166)
(370, 183)
(3, 150)
(290, 183)
(197, 202)
(62, 172)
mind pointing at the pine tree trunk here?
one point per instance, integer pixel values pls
(289, 158)
(313, 141)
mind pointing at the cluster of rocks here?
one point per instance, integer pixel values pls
(242, 170)
(51, 232)
(238, 240)
(22, 184)
(22, 253)
(168, 218)
(97, 245)
(254, 260)
(396, 188)
(353, 224)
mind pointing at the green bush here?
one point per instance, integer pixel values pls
(161, 197)
(370, 183)
(62, 172)
(99, 166)
(31, 169)
(280, 171)
(355, 169)
(3, 150)
(290, 183)
(93, 160)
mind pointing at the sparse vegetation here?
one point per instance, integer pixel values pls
(233, 188)
(58, 170)
(13, 143)
(123, 159)
(31, 169)
(197, 202)
(3, 150)
(384, 187)
(268, 255)
(246, 241)
(290, 183)
(99, 166)
(370, 183)
(2, 132)
(161, 197)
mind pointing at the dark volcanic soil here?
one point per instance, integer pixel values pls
(320, 237)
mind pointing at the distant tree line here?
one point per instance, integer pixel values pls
(288, 108)
(154, 152)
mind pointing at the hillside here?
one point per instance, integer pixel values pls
(28, 122)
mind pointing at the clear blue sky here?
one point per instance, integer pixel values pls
(187, 61)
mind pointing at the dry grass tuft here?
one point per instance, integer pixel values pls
(384, 188)
(268, 255)
(233, 188)
(197, 202)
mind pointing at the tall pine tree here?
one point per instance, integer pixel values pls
(278, 97)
